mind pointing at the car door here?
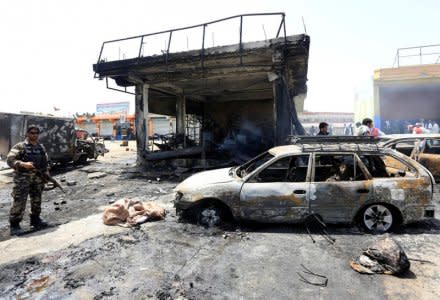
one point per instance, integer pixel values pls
(339, 186)
(402, 185)
(278, 192)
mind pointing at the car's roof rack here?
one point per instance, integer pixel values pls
(318, 139)
(336, 143)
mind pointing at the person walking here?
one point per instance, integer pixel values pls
(435, 128)
(30, 163)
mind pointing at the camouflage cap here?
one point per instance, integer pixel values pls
(32, 126)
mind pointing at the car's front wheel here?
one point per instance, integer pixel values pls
(378, 218)
(210, 216)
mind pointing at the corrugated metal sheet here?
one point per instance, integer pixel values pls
(161, 125)
(90, 127)
(106, 128)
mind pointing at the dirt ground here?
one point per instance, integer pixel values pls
(80, 258)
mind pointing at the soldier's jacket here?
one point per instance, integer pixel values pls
(26, 152)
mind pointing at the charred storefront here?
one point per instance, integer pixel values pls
(236, 98)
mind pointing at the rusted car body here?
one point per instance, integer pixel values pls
(424, 148)
(339, 183)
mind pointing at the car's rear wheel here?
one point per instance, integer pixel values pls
(378, 218)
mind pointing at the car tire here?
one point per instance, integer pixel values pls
(378, 218)
(210, 216)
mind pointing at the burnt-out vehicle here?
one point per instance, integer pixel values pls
(92, 147)
(336, 182)
(424, 148)
(63, 143)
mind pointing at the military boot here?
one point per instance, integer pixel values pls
(15, 228)
(37, 223)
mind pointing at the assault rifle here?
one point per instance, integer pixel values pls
(49, 179)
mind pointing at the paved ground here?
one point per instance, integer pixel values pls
(82, 259)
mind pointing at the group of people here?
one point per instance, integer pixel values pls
(420, 128)
(366, 128)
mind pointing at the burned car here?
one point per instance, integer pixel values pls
(424, 148)
(337, 182)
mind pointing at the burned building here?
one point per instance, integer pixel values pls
(237, 97)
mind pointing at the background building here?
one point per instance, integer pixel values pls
(410, 91)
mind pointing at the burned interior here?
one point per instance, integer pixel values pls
(238, 98)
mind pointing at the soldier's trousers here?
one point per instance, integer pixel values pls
(24, 185)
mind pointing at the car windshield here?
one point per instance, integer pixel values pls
(253, 164)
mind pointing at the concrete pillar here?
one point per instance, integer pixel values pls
(145, 96)
(180, 117)
(141, 115)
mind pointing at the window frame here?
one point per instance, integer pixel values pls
(402, 161)
(356, 162)
(256, 172)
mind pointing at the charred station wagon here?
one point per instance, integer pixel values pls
(340, 182)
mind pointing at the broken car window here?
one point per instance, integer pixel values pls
(253, 164)
(298, 168)
(336, 167)
(287, 169)
(405, 147)
(382, 166)
(276, 172)
(432, 146)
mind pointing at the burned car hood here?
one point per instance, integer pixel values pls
(206, 178)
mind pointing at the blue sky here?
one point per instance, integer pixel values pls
(48, 47)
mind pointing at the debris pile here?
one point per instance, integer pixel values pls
(385, 256)
(129, 212)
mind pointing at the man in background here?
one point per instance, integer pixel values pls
(323, 129)
(365, 128)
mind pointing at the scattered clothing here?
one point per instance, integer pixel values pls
(385, 256)
(128, 212)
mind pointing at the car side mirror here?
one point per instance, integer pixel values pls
(402, 173)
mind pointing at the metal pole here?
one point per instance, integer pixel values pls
(203, 45)
(279, 28)
(284, 26)
(168, 48)
(398, 58)
(99, 59)
(100, 53)
(241, 35)
(140, 47)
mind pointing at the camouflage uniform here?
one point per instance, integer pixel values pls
(27, 182)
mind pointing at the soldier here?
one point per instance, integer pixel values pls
(29, 161)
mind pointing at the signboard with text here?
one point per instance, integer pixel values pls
(113, 108)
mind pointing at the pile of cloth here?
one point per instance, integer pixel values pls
(385, 256)
(129, 212)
